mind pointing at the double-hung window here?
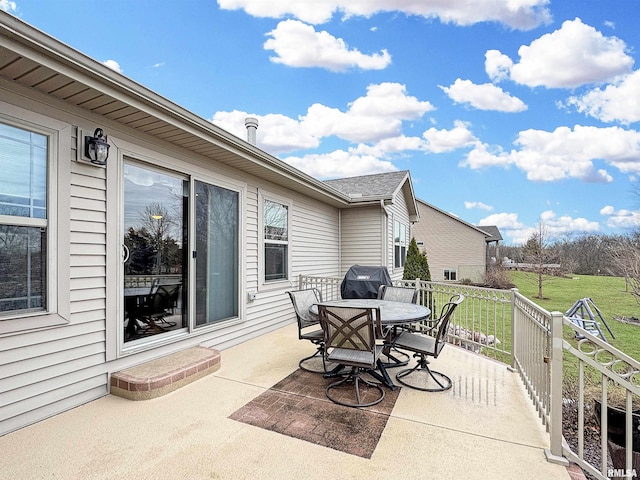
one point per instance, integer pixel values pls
(275, 220)
(23, 220)
(399, 244)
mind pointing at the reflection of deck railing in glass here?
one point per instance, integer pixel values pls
(532, 342)
(131, 281)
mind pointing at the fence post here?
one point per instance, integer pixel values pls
(554, 454)
(514, 328)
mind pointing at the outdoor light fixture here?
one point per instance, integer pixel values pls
(96, 148)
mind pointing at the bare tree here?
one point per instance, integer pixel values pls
(624, 257)
(542, 258)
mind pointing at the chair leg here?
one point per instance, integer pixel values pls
(418, 380)
(318, 352)
(355, 377)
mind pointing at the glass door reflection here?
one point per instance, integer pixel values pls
(155, 252)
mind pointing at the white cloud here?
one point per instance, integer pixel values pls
(158, 65)
(439, 141)
(607, 210)
(391, 145)
(369, 119)
(497, 65)
(377, 115)
(339, 164)
(621, 219)
(556, 226)
(113, 65)
(559, 226)
(517, 14)
(299, 45)
(576, 54)
(483, 97)
(509, 226)
(616, 102)
(479, 205)
(7, 5)
(483, 156)
(565, 153)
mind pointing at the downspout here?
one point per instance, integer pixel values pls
(340, 241)
(385, 235)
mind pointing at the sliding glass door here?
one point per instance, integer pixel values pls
(157, 251)
(217, 253)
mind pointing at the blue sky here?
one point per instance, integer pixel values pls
(507, 112)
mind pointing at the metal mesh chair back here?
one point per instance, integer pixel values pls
(443, 322)
(302, 301)
(349, 333)
(398, 294)
(350, 340)
(421, 376)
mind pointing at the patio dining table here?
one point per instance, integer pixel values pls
(392, 314)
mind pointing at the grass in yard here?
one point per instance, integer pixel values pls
(609, 294)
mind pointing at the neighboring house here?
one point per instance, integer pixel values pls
(181, 210)
(456, 250)
(494, 236)
(379, 231)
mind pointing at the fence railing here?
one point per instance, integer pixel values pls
(611, 379)
(542, 347)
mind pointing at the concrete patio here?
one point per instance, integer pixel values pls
(483, 428)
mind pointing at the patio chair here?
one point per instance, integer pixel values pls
(350, 340)
(309, 325)
(161, 305)
(421, 377)
(396, 294)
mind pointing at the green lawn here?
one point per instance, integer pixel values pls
(609, 294)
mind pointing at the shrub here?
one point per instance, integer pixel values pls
(416, 264)
(497, 277)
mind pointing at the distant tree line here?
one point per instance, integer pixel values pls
(584, 255)
(613, 255)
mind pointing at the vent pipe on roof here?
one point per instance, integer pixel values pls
(252, 126)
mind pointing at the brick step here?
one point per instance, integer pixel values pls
(163, 375)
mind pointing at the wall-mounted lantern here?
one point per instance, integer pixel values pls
(96, 148)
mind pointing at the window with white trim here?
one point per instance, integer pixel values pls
(23, 220)
(275, 221)
(399, 244)
(450, 274)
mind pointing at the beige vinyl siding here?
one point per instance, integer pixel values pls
(44, 372)
(361, 237)
(450, 244)
(314, 240)
(251, 240)
(314, 250)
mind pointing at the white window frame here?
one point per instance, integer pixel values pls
(125, 150)
(401, 243)
(447, 272)
(278, 283)
(59, 135)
